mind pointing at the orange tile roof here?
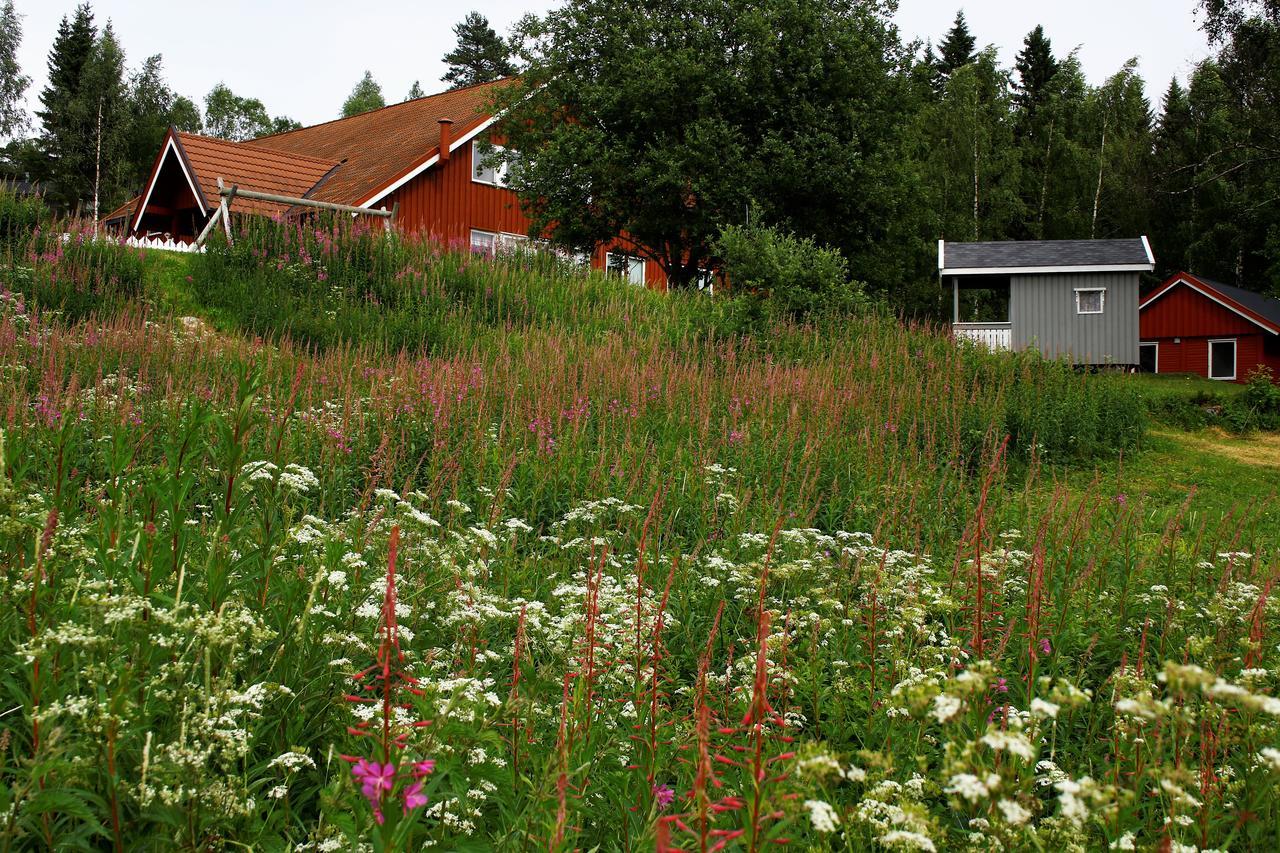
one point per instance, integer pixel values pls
(251, 167)
(378, 147)
(123, 211)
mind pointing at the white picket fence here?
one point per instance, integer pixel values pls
(162, 244)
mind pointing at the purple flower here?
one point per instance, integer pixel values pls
(413, 797)
(1045, 647)
(663, 795)
(374, 778)
(1002, 686)
(423, 768)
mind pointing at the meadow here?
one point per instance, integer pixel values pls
(384, 546)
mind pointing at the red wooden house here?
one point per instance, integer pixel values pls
(422, 158)
(1192, 325)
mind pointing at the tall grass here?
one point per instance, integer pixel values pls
(588, 568)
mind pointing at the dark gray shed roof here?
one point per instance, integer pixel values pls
(1044, 254)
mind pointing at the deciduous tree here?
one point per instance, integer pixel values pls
(13, 83)
(366, 96)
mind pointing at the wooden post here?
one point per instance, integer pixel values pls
(208, 226)
(955, 299)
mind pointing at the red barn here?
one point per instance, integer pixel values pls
(422, 158)
(1192, 325)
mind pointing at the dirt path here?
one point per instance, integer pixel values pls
(1261, 449)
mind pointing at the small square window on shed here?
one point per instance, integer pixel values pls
(1091, 300)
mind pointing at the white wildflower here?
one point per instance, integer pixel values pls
(822, 815)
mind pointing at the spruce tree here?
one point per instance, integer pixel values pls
(415, 91)
(366, 96)
(957, 48)
(65, 139)
(1035, 67)
(13, 83)
(481, 55)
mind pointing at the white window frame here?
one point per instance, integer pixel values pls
(1102, 302)
(478, 168)
(490, 247)
(1235, 359)
(635, 262)
(709, 276)
(1155, 344)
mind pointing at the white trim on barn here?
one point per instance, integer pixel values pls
(1146, 244)
(142, 208)
(1183, 280)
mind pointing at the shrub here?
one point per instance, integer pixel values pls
(20, 216)
(798, 277)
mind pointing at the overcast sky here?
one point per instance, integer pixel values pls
(302, 58)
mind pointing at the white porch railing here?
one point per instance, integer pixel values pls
(997, 336)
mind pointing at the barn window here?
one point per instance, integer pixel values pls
(1090, 300)
(1222, 359)
(627, 266)
(484, 169)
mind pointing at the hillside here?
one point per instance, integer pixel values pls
(388, 544)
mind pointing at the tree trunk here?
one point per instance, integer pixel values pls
(1097, 194)
(97, 164)
(1044, 179)
(975, 167)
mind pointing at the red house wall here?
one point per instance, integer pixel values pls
(446, 204)
(1192, 319)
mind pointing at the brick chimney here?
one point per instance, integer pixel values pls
(446, 138)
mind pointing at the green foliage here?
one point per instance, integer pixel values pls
(75, 275)
(796, 277)
(229, 116)
(666, 121)
(956, 50)
(13, 83)
(480, 56)
(641, 562)
(20, 216)
(366, 96)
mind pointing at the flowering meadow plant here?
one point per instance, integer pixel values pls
(263, 596)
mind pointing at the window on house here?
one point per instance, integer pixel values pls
(627, 266)
(483, 169)
(1222, 359)
(705, 281)
(1091, 300)
(1149, 357)
(483, 242)
(508, 243)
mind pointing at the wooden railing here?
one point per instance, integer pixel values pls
(997, 336)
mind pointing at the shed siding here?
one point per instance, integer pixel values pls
(1042, 311)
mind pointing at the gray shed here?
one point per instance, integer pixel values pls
(1074, 298)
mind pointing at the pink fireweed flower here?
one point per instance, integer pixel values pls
(374, 778)
(1045, 647)
(663, 795)
(424, 768)
(413, 797)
